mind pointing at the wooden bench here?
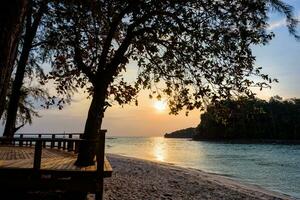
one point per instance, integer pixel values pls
(50, 165)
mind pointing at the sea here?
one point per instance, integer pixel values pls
(271, 166)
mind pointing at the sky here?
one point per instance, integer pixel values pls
(280, 59)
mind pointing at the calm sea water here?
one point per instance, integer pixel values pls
(272, 166)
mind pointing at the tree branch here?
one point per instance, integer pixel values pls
(17, 128)
(83, 67)
(78, 57)
(113, 27)
(117, 59)
(41, 43)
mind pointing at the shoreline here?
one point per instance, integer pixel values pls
(241, 141)
(135, 178)
(250, 141)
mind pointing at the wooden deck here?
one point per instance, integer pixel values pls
(52, 159)
(47, 162)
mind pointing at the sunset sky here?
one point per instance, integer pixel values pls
(279, 59)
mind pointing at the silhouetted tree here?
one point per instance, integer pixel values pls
(189, 51)
(35, 12)
(12, 15)
(247, 118)
(29, 97)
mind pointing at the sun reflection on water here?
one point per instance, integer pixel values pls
(159, 149)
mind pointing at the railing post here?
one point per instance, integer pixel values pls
(37, 155)
(52, 142)
(100, 148)
(76, 147)
(59, 144)
(70, 144)
(43, 143)
(21, 142)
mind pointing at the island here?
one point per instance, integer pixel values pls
(251, 119)
(183, 133)
(247, 120)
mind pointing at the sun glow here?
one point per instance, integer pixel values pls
(160, 105)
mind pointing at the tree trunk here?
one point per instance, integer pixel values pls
(92, 126)
(31, 29)
(12, 15)
(15, 94)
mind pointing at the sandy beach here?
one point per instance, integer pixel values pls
(140, 179)
(137, 179)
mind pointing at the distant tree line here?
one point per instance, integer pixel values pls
(247, 118)
(183, 133)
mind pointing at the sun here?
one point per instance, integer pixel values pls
(160, 105)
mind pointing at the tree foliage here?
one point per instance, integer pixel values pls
(188, 51)
(246, 118)
(29, 99)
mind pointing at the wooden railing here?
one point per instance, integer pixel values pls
(79, 180)
(70, 143)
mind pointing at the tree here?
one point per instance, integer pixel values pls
(189, 51)
(29, 96)
(12, 15)
(250, 118)
(33, 20)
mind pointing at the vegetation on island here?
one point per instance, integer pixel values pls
(251, 119)
(247, 119)
(183, 133)
(191, 52)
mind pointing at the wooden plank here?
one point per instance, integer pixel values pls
(51, 159)
(17, 164)
(107, 165)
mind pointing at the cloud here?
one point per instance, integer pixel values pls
(279, 23)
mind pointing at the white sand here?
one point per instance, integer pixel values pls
(145, 180)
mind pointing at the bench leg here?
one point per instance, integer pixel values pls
(99, 194)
